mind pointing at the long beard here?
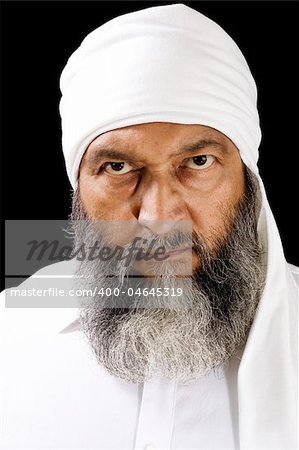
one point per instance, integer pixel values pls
(193, 335)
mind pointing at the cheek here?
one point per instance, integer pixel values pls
(212, 211)
(101, 201)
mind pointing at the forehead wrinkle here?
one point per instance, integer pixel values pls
(117, 150)
(112, 153)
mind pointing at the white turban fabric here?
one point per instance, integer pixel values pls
(172, 64)
(161, 64)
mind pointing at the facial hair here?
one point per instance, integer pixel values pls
(135, 343)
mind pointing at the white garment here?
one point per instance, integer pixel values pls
(57, 396)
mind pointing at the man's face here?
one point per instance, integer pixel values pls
(158, 172)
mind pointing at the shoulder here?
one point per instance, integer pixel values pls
(25, 313)
(295, 273)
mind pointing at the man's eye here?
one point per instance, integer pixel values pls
(200, 162)
(117, 168)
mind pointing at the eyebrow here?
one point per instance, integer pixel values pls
(202, 143)
(108, 151)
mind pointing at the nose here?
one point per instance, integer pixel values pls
(161, 207)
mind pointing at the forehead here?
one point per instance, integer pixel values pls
(155, 133)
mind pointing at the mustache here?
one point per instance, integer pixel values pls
(141, 246)
(144, 244)
(91, 232)
(173, 241)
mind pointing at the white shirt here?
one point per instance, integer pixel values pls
(56, 395)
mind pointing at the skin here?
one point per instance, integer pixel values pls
(163, 172)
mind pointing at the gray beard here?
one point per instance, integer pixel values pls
(136, 343)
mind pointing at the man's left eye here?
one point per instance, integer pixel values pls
(200, 162)
(117, 168)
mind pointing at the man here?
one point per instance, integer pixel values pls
(160, 128)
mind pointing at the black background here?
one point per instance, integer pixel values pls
(37, 39)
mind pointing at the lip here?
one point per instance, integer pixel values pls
(177, 251)
(173, 252)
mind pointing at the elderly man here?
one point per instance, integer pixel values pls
(160, 129)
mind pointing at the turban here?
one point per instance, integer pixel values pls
(161, 64)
